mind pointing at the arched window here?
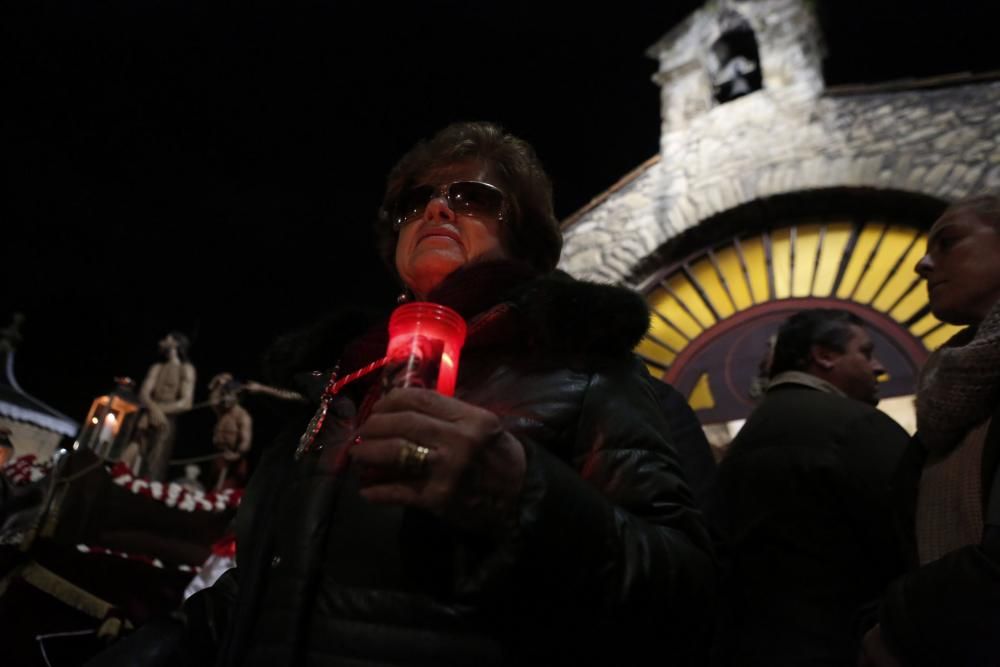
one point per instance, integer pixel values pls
(733, 59)
(722, 291)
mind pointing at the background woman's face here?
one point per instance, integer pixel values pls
(430, 248)
(962, 267)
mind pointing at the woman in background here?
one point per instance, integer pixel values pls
(946, 611)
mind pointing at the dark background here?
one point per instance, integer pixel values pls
(215, 167)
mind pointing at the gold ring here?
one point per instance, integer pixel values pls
(413, 458)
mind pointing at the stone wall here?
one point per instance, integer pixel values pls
(942, 143)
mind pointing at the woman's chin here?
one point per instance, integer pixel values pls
(431, 270)
(952, 314)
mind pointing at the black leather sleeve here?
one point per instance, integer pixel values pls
(612, 539)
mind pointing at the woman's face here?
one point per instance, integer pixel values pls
(441, 240)
(962, 267)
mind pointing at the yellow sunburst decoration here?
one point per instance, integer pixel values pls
(870, 265)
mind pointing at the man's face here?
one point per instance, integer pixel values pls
(856, 370)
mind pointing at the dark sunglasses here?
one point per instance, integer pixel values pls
(464, 197)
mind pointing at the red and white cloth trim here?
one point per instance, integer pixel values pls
(148, 560)
(176, 495)
(26, 469)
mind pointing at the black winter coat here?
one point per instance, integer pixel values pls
(805, 496)
(609, 558)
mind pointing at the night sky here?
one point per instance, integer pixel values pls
(215, 167)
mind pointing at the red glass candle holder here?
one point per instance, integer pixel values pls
(425, 341)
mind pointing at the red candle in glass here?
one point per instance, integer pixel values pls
(425, 341)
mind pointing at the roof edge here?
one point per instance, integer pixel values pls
(573, 218)
(900, 85)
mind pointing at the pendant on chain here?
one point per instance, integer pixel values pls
(316, 423)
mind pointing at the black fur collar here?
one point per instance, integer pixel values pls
(569, 317)
(509, 305)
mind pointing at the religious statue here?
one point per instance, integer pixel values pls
(167, 391)
(233, 433)
(189, 481)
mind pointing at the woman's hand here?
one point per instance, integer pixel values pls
(443, 455)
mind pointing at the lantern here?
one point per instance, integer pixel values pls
(108, 428)
(425, 340)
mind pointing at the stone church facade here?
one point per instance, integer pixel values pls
(773, 192)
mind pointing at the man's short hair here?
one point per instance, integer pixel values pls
(830, 327)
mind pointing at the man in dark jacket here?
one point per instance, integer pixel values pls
(805, 500)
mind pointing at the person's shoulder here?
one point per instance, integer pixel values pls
(807, 417)
(809, 398)
(575, 318)
(844, 420)
(870, 417)
(672, 401)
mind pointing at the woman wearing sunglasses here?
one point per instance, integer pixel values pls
(536, 517)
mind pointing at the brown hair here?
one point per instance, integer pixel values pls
(530, 230)
(986, 206)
